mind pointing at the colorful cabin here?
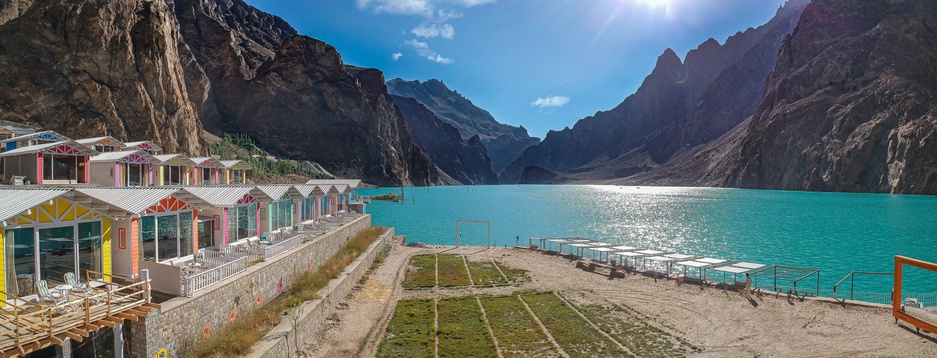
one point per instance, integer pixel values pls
(146, 145)
(234, 210)
(206, 171)
(311, 196)
(347, 195)
(279, 213)
(7, 132)
(32, 139)
(174, 169)
(235, 171)
(46, 233)
(65, 162)
(103, 144)
(124, 168)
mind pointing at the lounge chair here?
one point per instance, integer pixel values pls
(77, 286)
(57, 299)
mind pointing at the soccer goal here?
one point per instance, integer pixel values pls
(472, 233)
(909, 307)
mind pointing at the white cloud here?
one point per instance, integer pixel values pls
(427, 8)
(396, 56)
(423, 49)
(553, 101)
(445, 31)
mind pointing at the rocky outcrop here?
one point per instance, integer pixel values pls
(295, 96)
(851, 104)
(537, 175)
(465, 161)
(503, 142)
(96, 67)
(679, 106)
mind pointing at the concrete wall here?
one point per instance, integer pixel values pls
(183, 320)
(122, 258)
(312, 314)
(22, 165)
(102, 174)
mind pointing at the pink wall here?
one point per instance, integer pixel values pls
(117, 174)
(224, 226)
(39, 168)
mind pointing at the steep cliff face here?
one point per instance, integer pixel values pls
(294, 95)
(851, 104)
(93, 67)
(503, 142)
(465, 161)
(680, 105)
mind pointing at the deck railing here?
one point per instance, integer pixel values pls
(270, 251)
(208, 277)
(29, 326)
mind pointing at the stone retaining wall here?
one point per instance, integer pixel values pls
(281, 341)
(183, 320)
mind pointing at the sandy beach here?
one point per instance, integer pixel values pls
(720, 323)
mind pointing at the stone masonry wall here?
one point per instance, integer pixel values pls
(281, 341)
(183, 320)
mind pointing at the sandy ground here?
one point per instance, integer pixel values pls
(723, 324)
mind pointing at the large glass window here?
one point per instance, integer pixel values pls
(206, 237)
(185, 233)
(59, 167)
(206, 176)
(238, 176)
(147, 247)
(243, 222)
(167, 244)
(56, 253)
(274, 215)
(232, 224)
(19, 259)
(135, 175)
(90, 249)
(173, 175)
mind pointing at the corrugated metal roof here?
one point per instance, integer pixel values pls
(95, 140)
(218, 196)
(19, 131)
(15, 201)
(231, 163)
(342, 188)
(44, 135)
(117, 156)
(132, 200)
(199, 160)
(307, 190)
(163, 158)
(133, 145)
(274, 191)
(352, 183)
(32, 149)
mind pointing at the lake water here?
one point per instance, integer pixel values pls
(834, 232)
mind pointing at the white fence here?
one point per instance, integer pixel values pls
(198, 281)
(270, 251)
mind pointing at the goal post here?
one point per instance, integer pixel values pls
(471, 225)
(897, 309)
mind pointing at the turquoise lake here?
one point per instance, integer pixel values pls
(834, 232)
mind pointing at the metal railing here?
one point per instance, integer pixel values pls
(208, 277)
(876, 296)
(280, 247)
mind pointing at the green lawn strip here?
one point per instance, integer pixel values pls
(574, 334)
(485, 273)
(517, 332)
(512, 274)
(462, 331)
(421, 273)
(635, 333)
(410, 332)
(452, 271)
(236, 339)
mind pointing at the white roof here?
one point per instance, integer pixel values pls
(650, 252)
(712, 260)
(220, 196)
(132, 200)
(630, 254)
(352, 183)
(45, 147)
(163, 158)
(748, 265)
(230, 164)
(144, 143)
(603, 249)
(117, 156)
(581, 245)
(625, 248)
(307, 190)
(15, 201)
(199, 160)
(600, 244)
(44, 135)
(694, 264)
(679, 256)
(732, 269)
(660, 258)
(275, 191)
(95, 140)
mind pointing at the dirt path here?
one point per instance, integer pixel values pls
(722, 324)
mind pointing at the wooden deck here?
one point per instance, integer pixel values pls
(27, 327)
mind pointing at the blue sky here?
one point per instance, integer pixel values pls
(543, 64)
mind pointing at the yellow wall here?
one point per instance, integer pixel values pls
(106, 248)
(3, 273)
(160, 176)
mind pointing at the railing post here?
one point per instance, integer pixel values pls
(852, 285)
(145, 276)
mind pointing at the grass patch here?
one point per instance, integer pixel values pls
(517, 332)
(236, 339)
(452, 271)
(513, 274)
(633, 331)
(410, 332)
(574, 334)
(462, 330)
(421, 273)
(485, 273)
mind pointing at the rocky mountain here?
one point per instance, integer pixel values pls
(503, 142)
(851, 104)
(465, 161)
(163, 70)
(680, 106)
(294, 95)
(89, 68)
